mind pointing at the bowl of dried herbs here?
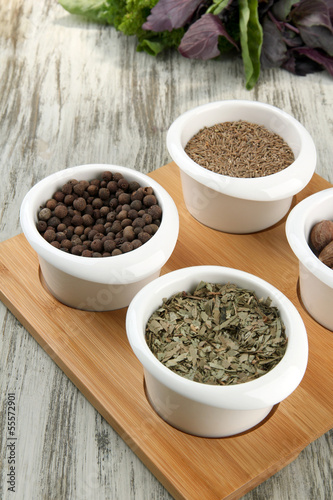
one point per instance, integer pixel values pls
(241, 162)
(220, 348)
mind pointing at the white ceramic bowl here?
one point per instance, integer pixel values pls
(240, 205)
(315, 278)
(208, 410)
(106, 283)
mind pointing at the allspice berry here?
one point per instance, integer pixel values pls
(66, 244)
(107, 176)
(87, 220)
(53, 221)
(144, 237)
(128, 233)
(41, 226)
(77, 220)
(80, 204)
(104, 193)
(92, 189)
(136, 244)
(126, 247)
(79, 188)
(155, 211)
(133, 186)
(44, 214)
(49, 235)
(67, 188)
(109, 245)
(60, 211)
(123, 184)
(51, 204)
(59, 196)
(97, 246)
(149, 200)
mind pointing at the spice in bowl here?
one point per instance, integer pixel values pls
(240, 149)
(100, 218)
(221, 334)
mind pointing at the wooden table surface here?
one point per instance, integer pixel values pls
(73, 93)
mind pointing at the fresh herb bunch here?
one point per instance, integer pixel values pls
(296, 36)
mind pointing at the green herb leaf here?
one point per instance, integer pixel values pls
(251, 38)
(217, 6)
(100, 11)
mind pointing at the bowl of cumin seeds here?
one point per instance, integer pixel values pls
(241, 162)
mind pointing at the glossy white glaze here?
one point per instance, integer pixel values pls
(315, 278)
(234, 408)
(241, 205)
(99, 284)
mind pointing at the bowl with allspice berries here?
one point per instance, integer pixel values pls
(309, 230)
(219, 348)
(241, 162)
(101, 232)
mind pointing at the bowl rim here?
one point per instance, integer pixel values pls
(297, 238)
(274, 187)
(265, 391)
(120, 269)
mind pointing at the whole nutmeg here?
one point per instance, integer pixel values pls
(321, 235)
(326, 255)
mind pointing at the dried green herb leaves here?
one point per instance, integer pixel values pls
(220, 334)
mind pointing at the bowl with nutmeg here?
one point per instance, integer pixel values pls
(101, 232)
(220, 348)
(241, 162)
(309, 230)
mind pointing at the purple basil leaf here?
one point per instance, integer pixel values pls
(300, 65)
(274, 49)
(281, 9)
(317, 37)
(201, 39)
(312, 18)
(170, 14)
(290, 64)
(318, 57)
(292, 39)
(329, 4)
(311, 13)
(264, 6)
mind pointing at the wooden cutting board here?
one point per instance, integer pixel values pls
(92, 349)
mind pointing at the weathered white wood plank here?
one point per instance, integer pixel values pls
(72, 93)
